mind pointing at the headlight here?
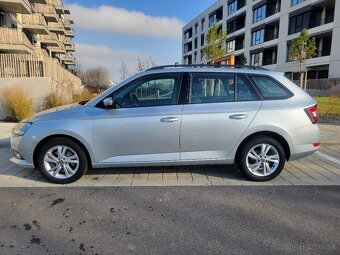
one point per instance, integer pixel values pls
(21, 128)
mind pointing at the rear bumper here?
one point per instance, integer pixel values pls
(302, 140)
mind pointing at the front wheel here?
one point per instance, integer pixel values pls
(62, 161)
(261, 159)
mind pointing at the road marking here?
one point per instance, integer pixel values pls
(328, 157)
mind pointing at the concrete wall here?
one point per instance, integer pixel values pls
(37, 89)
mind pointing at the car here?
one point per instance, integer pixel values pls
(176, 115)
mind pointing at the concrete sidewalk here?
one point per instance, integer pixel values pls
(5, 134)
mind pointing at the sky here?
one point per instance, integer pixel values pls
(108, 33)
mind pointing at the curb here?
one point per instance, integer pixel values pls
(5, 145)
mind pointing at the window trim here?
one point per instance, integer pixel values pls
(157, 75)
(289, 93)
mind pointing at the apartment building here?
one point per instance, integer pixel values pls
(262, 31)
(35, 46)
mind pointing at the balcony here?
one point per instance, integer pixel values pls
(49, 40)
(68, 23)
(70, 47)
(57, 27)
(16, 6)
(69, 33)
(69, 59)
(13, 40)
(48, 10)
(38, 1)
(58, 5)
(57, 50)
(35, 23)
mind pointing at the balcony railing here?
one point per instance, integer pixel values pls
(56, 25)
(13, 36)
(45, 9)
(18, 6)
(69, 32)
(50, 37)
(38, 64)
(36, 19)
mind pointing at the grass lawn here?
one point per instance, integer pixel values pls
(328, 105)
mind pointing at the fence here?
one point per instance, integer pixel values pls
(38, 64)
(329, 103)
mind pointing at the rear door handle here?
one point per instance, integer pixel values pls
(238, 116)
(169, 119)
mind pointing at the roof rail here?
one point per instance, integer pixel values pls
(207, 65)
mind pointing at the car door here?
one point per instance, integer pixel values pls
(216, 115)
(144, 126)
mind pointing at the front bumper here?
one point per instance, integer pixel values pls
(22, 162)
(25, 147)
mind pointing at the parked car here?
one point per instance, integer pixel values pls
(180, 115)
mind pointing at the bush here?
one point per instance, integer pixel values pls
(83, 95)
(54, 99)
(18, 103)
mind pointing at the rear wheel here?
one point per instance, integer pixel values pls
(261, 159)
(62, 161)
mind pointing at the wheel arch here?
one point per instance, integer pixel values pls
(271, 134)
(43, 141)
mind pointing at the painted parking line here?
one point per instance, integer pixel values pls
(328, 157)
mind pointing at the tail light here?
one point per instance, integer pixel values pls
(312, 113)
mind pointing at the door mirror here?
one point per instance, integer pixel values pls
(109, 103)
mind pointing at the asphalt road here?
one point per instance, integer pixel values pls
(170, 220)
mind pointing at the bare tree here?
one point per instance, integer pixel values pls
(124, 71)
(145, 64)
(97, 77)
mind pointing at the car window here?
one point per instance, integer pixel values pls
(151, 91)
(211, 88)
(245, 91)
(269, 88)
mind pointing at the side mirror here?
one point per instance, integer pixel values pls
(109, 103)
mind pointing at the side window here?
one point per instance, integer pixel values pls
(152, 91)
(244, 90)
(212, 88)
(269, 88)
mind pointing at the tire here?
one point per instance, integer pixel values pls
(62, 161)
(258, 166)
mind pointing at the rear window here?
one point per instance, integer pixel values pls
(269, 88)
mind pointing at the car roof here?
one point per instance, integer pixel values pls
(208, 69)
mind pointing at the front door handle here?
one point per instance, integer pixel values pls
(238, 116)
(169, 119)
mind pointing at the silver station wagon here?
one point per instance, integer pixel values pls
(176, 115)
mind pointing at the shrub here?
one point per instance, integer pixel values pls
(82, 95)
(18, 103)
(54, 99)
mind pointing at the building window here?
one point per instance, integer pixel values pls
(195, 57)
(202, 55)
(231, 46)
(2, 20)
(202, 40)
(232, 7)
(295, 2)
(297, 23)
(202, 24)
(187, 34)
(255, 59)
(212, 20)
(196, 43)
(259, 13)
(257, 37)
(196, 28)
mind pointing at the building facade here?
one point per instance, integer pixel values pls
(262, 30)
(35, 47)
(35, 39)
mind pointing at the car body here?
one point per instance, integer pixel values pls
(178, 116)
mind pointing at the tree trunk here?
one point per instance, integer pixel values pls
(301, 76)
